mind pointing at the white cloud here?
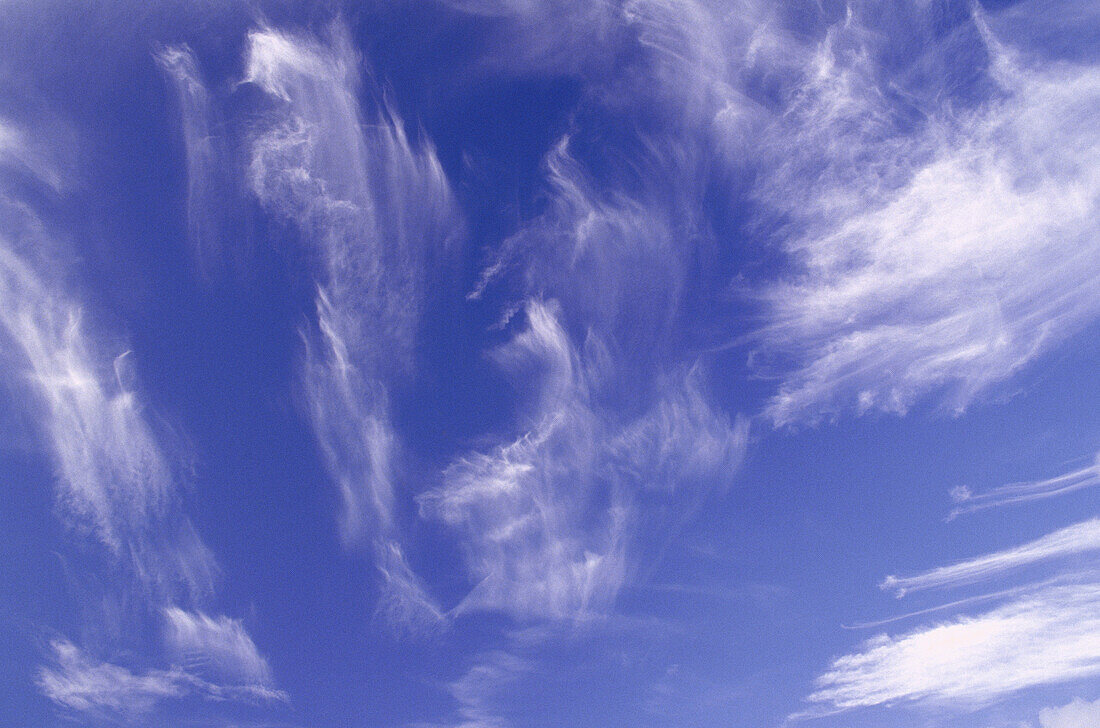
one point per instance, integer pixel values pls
(936, 262)
(20, 152)
(615, 437)
(549, 519)
(522, 508)
(1050, 636)
(682, 442)
(181, 67)
(115, 483)
(967, 501)
(80, 683)
(76, 681)
(477, 691)
(376, 210)
(1077, 714)
(114, 479)
(215, 646)
(682, 58)
(1076, 539)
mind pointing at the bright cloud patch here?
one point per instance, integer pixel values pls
(1050, 636)
(1078, 714)
(981, 256)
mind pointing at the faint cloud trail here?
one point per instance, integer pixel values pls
(968, 501)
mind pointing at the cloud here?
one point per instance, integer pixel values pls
(1050, 636)
(77, 682)
(549, 520)
(20, 153)
(523, 508)
(968, 501)
(115, 484)
(1077, 714)
(548, 552)
(680, 60)
(1076, 539)
(625, 233)
(216, 646)
(376, 210)
(114, 479)
(682, 442)
(614, 437)
(478, 689)
(935, 262)
(203, 191)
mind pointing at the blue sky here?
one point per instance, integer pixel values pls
(523, 363)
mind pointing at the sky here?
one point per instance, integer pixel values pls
(550, 364)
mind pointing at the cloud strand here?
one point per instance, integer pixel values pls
(968, 501)
(1076, 539)
(375, 209)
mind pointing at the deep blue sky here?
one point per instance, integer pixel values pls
(521, 363)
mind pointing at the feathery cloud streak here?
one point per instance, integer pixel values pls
(203, 173)
(218, 646)
(1047, 637)
(523, 508)
(109, 692)
(615, 260)
(1076, 539)
(1077, 714)
(114, 479)
(377, 211)
(880, 208)
(968, 501)
(101, 689)
(955, 257)
(114, 484)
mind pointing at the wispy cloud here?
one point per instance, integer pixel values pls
(1077, 714)
(1049, 636)
(106, 691)
(376, 209)
(682, 441)
(215, 646)
(1076, 539)
(945, 607)
(19, 152)
(968, 501)
(87, 686)
(203, 172)
(614, 434)
(479, 688)
(522, 508)
(932, 263)
(115, 482)
(906, 217)
(114, 479)
(548, 519)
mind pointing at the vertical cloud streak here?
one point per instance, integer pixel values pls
(376, 210)
(114, 481)
(203, 174)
